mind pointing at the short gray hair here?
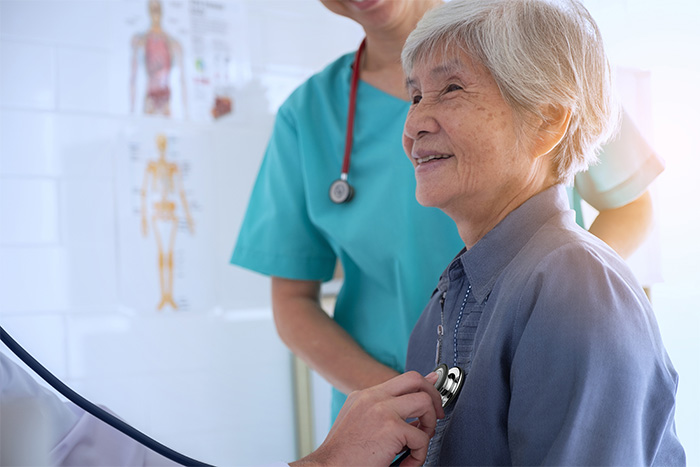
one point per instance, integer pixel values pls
(540, 53)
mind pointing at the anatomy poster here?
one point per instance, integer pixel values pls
(157, 44)
(218, 50)
(182, 62)
(164, 228)
(186, 59)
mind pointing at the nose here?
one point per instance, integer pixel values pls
(420, 121)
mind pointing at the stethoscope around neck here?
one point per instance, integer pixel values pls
(341, 191)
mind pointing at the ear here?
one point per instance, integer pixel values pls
(551, 130)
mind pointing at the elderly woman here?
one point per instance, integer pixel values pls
(563, 358)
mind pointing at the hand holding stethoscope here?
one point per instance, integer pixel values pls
(448, 384)
(341, 191)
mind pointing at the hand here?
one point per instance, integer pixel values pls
(371, 428)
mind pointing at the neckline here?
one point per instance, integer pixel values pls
(362, 83)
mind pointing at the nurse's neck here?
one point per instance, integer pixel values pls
(381, 67)
(381, 63)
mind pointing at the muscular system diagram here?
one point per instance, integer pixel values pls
(161, 53)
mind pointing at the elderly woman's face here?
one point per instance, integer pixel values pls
(461, 136)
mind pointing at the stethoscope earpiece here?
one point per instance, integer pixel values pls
(449, 383)
(341, 191)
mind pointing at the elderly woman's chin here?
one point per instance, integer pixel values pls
(435, 182)
(431, 195)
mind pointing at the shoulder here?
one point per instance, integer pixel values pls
(564, 272)
(570, 259)
(577, 293)
(320, 87)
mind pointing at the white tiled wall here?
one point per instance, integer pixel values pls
(20, 89)
(36, 220)
(33, 153)
(214, 381)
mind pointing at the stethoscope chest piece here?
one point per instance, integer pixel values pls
(341, 191)
(449, 383)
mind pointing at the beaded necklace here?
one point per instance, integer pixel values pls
(441, 327)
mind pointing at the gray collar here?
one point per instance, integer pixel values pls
(485, 261)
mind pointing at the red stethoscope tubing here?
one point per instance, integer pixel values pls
(351, 110)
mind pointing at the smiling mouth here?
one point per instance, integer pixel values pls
(432, 157)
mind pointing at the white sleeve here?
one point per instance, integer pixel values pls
(627, 167)
(92, 442)
(38, 427)
(29, 406)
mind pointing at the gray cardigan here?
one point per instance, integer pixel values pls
(564, 361)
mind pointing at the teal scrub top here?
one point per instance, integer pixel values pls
(392, 249)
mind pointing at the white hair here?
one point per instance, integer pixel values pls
(541, 53)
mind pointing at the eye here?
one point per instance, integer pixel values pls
(416, 99)
(453, 87)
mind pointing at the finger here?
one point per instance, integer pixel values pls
(412, 382)
(431, 378)
(417, 442)
(416, 405)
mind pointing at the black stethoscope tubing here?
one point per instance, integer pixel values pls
(341, 191)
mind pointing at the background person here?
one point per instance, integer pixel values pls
(563, 357)
(391, 249)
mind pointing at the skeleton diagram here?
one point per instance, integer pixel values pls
(164, 179)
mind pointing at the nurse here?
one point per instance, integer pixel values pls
(391, 249)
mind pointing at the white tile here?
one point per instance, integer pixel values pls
(75, 22)
(28, 76)
(237, 287)
(92, 279)
(83, 80)
(188, 403)
(287, 39)
(27, 141)
(29, 212)
(33, 279)
(88, 216)
(103, 346)
(85, 145)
